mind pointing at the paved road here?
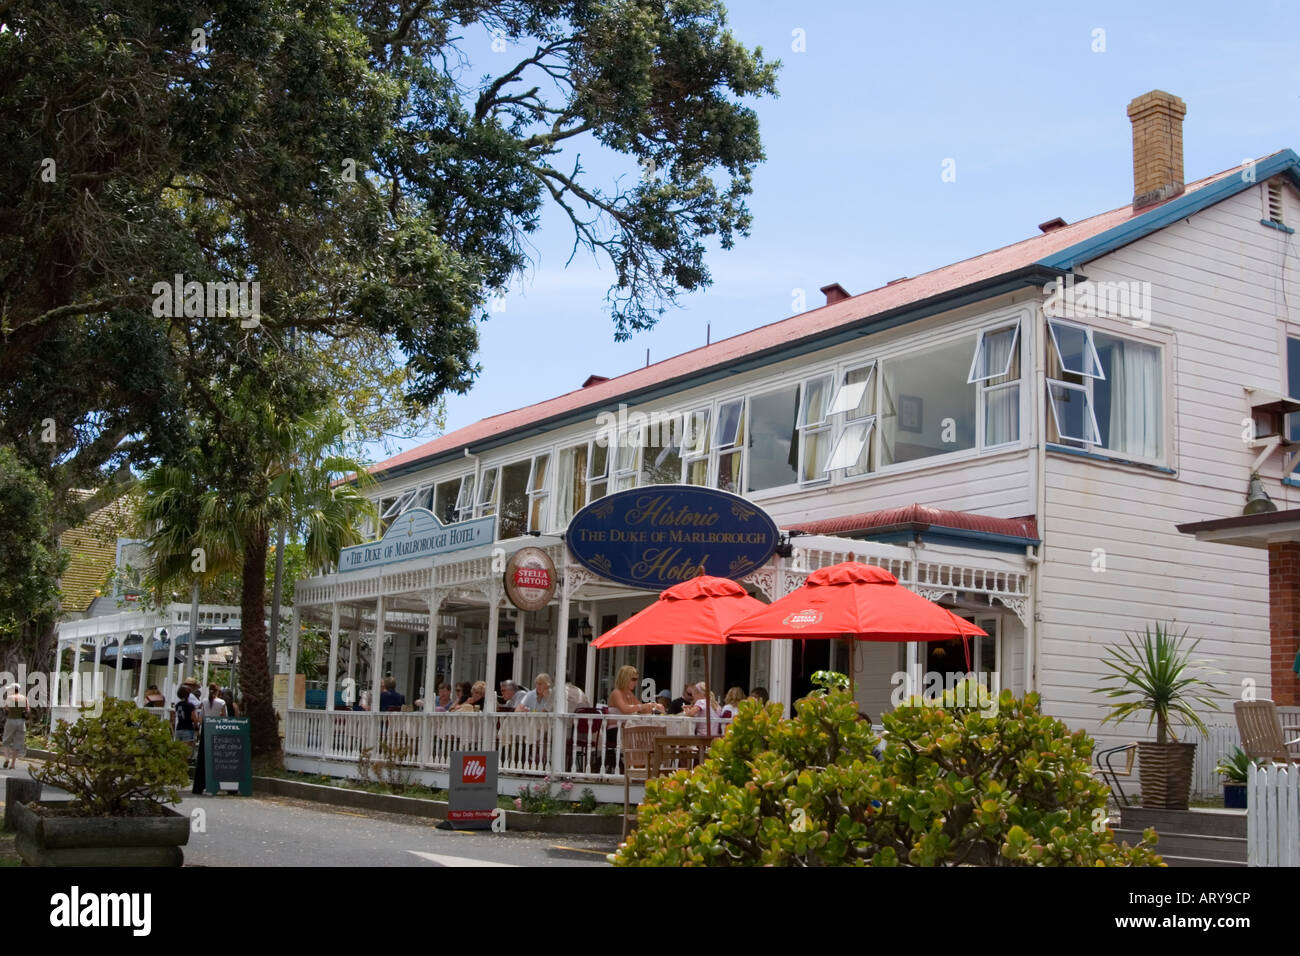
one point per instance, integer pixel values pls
(277, 831)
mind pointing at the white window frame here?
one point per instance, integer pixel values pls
(465, 499)
(1092, 348)
(737, 444)
(748, 420)
(824, 426)
(483, 507)
(703, 439)
(625, 475)
(540, 492)
(1014, 326)
(1164, 345)
(840, 406)
(985, 389)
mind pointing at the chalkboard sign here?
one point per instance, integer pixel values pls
(227, 752)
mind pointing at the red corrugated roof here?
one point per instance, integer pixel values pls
(920, 517)
(727, 351)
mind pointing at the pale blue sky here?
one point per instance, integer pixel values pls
(852, 190)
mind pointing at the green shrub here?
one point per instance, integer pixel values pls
(587, 802)
(107, 762)
(952, 786)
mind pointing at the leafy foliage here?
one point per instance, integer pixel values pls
(356, 161)
(1153, 675)
(952, 787)
(108, 761)
(225, 498)
(1234, 768)
(29, 564)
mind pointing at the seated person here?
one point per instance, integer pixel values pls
(538, 699)
(443, 703)
(680, 704)
(623, 699)
(759, 694)
(389, 698)
(512, 695)
(731, 703)
(477, 693)
(462, 693)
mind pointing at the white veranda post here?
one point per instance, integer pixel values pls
(334, 656)
(494, 618)
(431, 659)
(294, 625)
(146, 652)
(376, 667)
(117, 674)
(560, 690)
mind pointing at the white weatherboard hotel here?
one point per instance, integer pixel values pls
(1015, 436)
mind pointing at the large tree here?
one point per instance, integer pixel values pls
(376, 178)
(358, 162)
(28, 566)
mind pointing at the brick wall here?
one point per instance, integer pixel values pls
(1284, 619)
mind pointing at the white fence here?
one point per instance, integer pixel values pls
(592, 743)
(1273, 816)
(1218, 744)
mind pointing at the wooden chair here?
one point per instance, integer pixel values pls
(638, 748)
(678, 753)
(588, 739)
(1262, 735)
(1106, 769)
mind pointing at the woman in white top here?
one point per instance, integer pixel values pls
(732, 701)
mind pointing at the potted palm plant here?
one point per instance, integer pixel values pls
(121, 767)
(1235, 770)
(1154, 675)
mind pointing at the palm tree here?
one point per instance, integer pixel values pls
(288, 470)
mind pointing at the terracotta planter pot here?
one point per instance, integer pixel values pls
(1165, 774)
(100, 841)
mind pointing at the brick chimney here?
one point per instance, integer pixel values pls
(1157, 119)
(834, 293)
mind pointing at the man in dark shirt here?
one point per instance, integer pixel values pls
(686, 700)
(389, 698)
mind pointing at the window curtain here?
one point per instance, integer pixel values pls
(1002, 415)
(1135, 405)
(1002, 405)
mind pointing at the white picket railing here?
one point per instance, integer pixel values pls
(593, 743)
(1273, 815)
(1210, 749)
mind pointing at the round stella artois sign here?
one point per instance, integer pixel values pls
(530, 579)
(805, 618)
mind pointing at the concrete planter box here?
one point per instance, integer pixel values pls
(590, 823)
(100, 841)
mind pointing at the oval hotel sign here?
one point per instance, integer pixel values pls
(660, 535)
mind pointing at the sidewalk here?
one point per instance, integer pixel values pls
(230, 830)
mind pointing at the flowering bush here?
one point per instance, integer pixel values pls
(539, 799)
(953, 786)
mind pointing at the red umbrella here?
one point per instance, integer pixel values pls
(698, 611)
(854, 602)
